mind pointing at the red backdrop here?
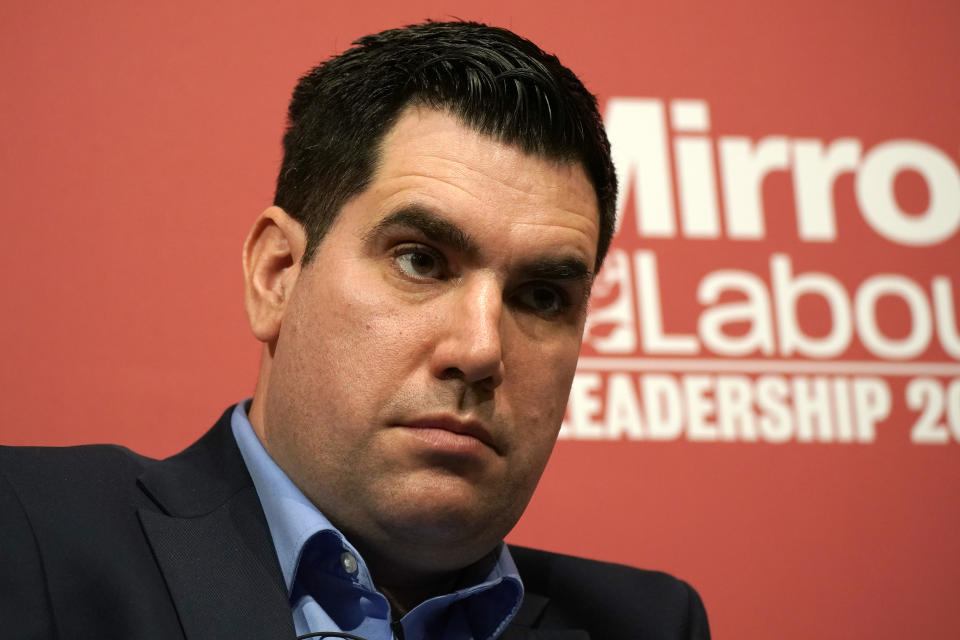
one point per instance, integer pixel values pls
(768, 403)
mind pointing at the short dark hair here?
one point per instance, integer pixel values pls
(493, 80)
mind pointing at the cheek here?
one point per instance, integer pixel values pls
(335, 367)
(538, 390)
(360, 343)
(543, 365)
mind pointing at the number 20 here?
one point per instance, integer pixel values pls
(928, 394)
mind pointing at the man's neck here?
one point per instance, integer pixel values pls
(403, 599)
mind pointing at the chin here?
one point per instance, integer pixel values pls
(443, 527)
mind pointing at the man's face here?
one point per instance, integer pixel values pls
(426, 353)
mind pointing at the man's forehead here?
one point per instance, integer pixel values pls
(436, 145)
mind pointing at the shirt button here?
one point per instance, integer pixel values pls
(349, 562)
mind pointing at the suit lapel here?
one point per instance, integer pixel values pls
(219, 588)
(523, 625)
(212, 543)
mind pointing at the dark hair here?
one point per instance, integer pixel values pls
(493, 80)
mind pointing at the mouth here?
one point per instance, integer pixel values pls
(450, 434)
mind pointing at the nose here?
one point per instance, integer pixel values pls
(469, 346)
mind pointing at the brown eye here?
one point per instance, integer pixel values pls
(543, 299)
(418, 263)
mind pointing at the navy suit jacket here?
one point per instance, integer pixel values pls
(99, 542)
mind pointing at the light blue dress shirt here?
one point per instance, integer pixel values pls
(329, 584)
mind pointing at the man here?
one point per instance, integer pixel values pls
(420, 288)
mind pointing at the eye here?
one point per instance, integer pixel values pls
(419, 262)
(543, 299)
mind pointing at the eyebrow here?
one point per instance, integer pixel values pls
(431, 225)
(557, 269)
(440, 230)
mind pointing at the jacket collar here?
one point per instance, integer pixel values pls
(524, 624)
(212, 544)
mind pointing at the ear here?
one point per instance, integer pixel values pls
(271, 266)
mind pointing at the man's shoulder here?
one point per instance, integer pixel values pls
(66, 491)
(109, 473)
(87, 468)
(608, 598)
